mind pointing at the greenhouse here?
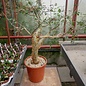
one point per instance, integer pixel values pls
(42, 43)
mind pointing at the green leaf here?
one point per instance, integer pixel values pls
(29, 3)
(59, 10)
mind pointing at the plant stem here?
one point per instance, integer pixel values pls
(35, 40)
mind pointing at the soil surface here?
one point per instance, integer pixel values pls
(41, 63)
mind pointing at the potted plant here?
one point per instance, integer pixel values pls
(5, 74)
(36, 63)
(8, 62)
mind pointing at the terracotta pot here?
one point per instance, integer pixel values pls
(35, 74)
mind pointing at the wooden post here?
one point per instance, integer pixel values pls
(66, 5)
(75, 10)
(15, 13)
(7, 27)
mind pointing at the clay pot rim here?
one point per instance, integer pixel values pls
(35, 67)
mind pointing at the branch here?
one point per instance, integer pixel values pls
(56, 36)
(41, 41)
(53, 28)
(17, 27)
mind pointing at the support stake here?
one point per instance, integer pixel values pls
(7, 27)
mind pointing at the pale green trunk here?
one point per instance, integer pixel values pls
(35, 47)
(34, 52)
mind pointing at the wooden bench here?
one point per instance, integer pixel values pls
(51, 78)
